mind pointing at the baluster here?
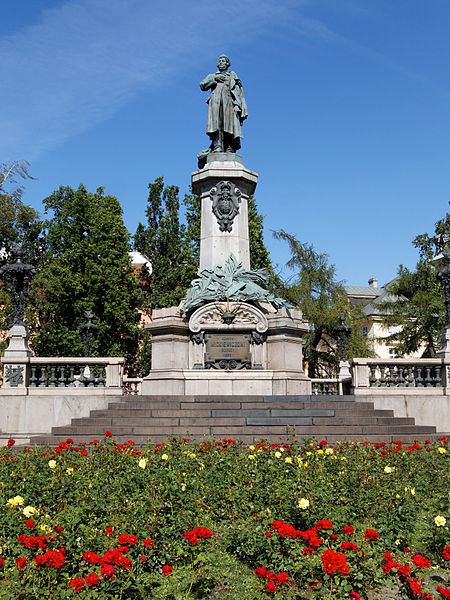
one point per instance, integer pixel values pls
(428, 379)
(71, 378)
(419, 378)
(372, 376)
(43, 377)
(401, 376)
(437, 376)
(391, 380)
(101, 381)
(52, 378)
(90, 378)
(410, 376)
(382, 375)
(33, 378)
(62, 377)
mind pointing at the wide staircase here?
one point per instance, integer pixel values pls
(248, 418)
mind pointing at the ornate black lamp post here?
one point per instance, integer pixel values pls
(17, 276)
(342, 333)
(89, 333)
(443, 274)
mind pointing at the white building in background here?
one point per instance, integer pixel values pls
(370, 298)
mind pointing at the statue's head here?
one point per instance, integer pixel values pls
(223, 62)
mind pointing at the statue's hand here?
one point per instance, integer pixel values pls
(220, 78)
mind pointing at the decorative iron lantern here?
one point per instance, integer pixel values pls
(17, 276)
(89, 333)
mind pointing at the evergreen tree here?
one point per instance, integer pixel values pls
(417, 306)
(163, 241)
(316, 292)
(85, 267)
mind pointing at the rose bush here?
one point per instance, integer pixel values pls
(218, 519)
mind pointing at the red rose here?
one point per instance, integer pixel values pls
(282, 578)
(77, 583)
(107, 572)
(334, 561)
(142, 558)
(21, 562)
(92, 558)
(148, 543)
(349, 546)
(415, 587)
(30, 524)
(446, 553)
(167, 570)
(108, 434)
(420, 561)
(91, 579)
(109, 530)
(444, 592)
(11, 443)
(270, 587)
(2, 562)
(325, 524)
(347, 529)
(371, 534)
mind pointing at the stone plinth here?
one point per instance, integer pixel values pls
(179, 353)
(216, 245)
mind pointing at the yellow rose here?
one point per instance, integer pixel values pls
(52, 464)
(288, 460)
(329, 451)
(69, 471)
(282, 449)
(142, 463)
(252, 448)
(388, 469)
(192, 455)
(29, 511)
(440, 521)
(277, 454)
(303, 503)
(413, 491)
(442, 450)
(165, 457)
(309, 453)
(251, 457)
(16, 501)
(320, 451)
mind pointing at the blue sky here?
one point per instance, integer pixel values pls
(348, 101)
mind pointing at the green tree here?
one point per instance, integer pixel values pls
(164, 242)
(19, 222)
(85, 267)
(314, 290)
(417, 303)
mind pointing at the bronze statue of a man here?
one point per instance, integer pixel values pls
(226, 107)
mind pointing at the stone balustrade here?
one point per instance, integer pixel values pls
(325, 387)
(35, 374)
(407, 374)
(131, 386)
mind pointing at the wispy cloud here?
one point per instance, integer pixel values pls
(87, 58)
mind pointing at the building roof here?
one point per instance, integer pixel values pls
(361, 290)
(374, 295)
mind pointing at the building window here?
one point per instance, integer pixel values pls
(393, 353)
(364, 330)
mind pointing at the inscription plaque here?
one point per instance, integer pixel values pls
(227, 351)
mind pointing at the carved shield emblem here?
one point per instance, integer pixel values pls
(225, 199)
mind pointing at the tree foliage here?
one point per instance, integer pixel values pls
(165, 243)
(417, 306)
(18, 222)
(85, 267)
(315, 290)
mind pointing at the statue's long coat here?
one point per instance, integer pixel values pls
(221, 102)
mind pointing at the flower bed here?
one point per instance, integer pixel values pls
(222, 520)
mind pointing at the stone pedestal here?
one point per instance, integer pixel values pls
(444, 352)
(181, 354)
(16, 358)
(224, 184)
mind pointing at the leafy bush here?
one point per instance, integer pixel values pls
(220, 520)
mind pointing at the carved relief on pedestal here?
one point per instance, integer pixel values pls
(217, 316)
(225, 199)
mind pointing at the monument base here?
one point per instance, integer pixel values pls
(257, 352)
(208, 382)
